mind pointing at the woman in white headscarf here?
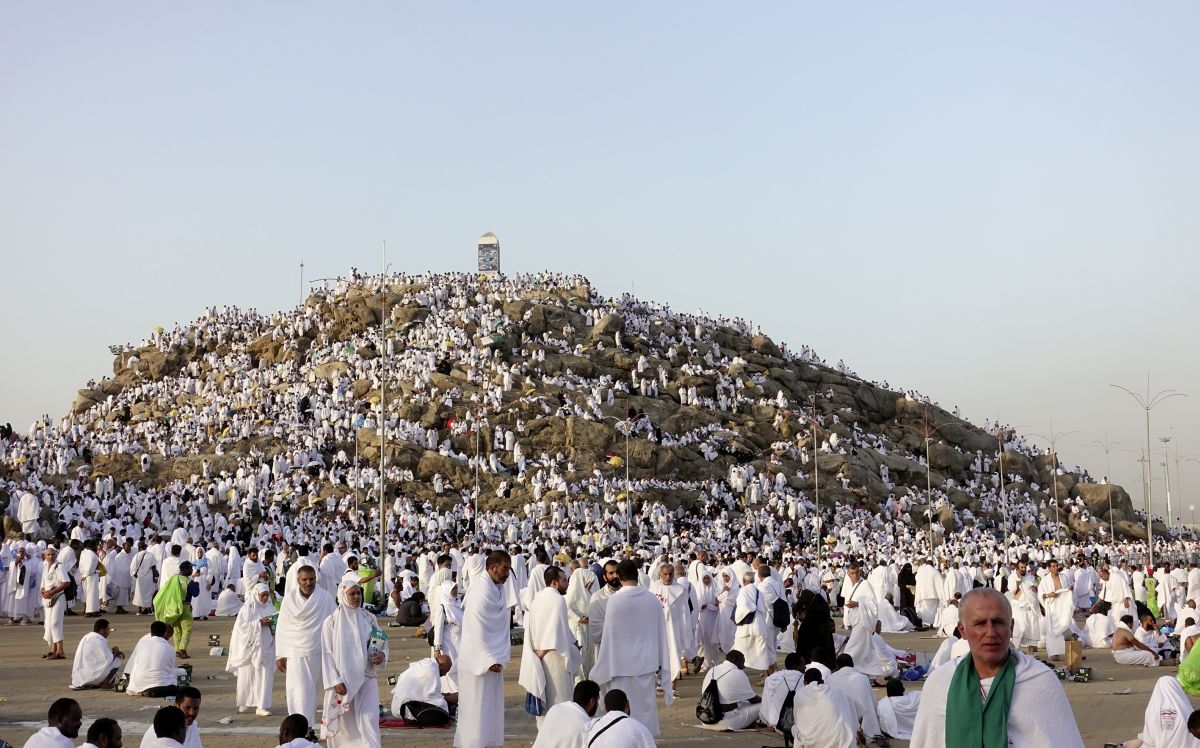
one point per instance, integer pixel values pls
(579, 597)
(727, 597)
(252, 652)
(446, 620)
(350, 653)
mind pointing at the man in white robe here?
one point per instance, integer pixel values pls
(29, 511)
(121, 579)
(228, 604)
(777, 686)
(1038, 712)
(898, 710)
(63, 719)
(1027, 614)
(928, 596)
(298, 641)
(754, 635)
(187, 703)
(739, 705)
(96, 664)
(1170, 721)
(143, 570)
(550, 656)
(566, 724)
(598, 604)
(823, 716)
(89, 578)
(674, 601)
(151, 665)
(483, 653)
(54, 604)
(1058, 602)
(618, 728)
(422, 683)
(634, 655)
(857, 689)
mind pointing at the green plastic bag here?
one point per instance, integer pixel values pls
(168, 603)
(1189, 672)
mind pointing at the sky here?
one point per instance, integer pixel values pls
(991, 203)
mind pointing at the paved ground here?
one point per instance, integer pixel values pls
(28, 685)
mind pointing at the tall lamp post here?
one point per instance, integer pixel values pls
(1001, 431)
(926, 433)
(816, 477)
(1149, 403)
(1108, 447)
(1166, 466)
(383, 339)
(1053, 437)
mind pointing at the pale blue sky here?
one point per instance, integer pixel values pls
(993, 203)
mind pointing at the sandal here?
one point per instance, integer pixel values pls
(57, 657)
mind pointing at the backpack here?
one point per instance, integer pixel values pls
(787, 712)
(781, 616)
(749, 617)
(708, 708)
(424, 715)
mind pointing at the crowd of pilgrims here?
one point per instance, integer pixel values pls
(312, 498)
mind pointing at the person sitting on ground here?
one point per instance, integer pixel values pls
(857, 689)
(96, 664)
(1164, 725)
(169, 729)
(63, 721)
(776, 688)
(823, 716)
(104, 733)
(420, 687)
(566, 725)
(1147, 633)
(994, 694)
(411, 612)
(616, 729)
(295, 732)
(151, 666)
(228, 603)
(898, 710)
(187, 702)
(1126, 648)
(739, 704)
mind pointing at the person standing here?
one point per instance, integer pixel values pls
(89, 578)
(298, 641)
(634, 655)
(252, 652)
(485, 651)
(550, 657)
(352, 646)
(53, 589)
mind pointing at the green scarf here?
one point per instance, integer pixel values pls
(970, 722)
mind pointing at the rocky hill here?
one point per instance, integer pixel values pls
(716, 394)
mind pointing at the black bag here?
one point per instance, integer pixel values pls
(424, 715)
(708, 708)
(429, 631)
(787, 712)
(781, 616)
(72, 590)
(749, 617)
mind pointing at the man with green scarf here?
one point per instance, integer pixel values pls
(995, 696)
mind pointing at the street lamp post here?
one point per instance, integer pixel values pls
(1107, 446)
(816, 478)
(1167, 474)
(927, 433)
(1000, 432)
(1053, 438)
(1148, 403)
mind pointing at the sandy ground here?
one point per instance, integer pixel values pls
(28, 685)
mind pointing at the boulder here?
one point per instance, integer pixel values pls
(608, 326)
